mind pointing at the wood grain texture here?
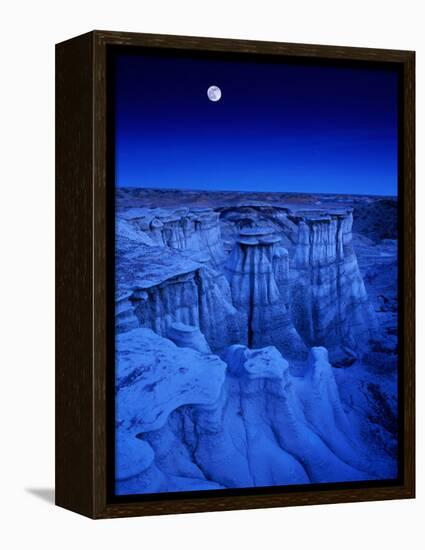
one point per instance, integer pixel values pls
(408, 267)
(74, 275)
(82, 284)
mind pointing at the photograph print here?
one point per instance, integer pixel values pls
(256, 330)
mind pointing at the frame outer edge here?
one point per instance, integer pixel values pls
(74, 277)
(409, 273)
(100, 332)
(100, 507)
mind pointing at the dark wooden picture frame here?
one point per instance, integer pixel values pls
(82, 213)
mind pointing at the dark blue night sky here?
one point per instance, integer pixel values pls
(278, 127)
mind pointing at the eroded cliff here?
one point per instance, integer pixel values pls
(229, 323)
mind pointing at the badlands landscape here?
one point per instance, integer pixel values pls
(256, 340)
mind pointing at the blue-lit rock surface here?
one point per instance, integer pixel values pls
(256, 341)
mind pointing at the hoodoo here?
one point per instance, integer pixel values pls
(229, 323)
(310, 293)
(330, 305)
(252, 267)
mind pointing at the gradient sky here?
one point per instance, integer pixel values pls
(278, 127)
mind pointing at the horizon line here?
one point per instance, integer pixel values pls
(252, 192)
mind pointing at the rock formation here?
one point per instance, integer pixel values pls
(185, 418)
(255, 267)
(125, 318)
(199, 297)
(223, 375)
(303, 294)
(154, 378)
(188, 336)
(197, 229)
(330, 305)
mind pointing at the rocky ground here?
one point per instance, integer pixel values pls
(256, 339)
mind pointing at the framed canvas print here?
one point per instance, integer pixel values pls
(235, 274)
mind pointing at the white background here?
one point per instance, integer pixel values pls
(29, 31)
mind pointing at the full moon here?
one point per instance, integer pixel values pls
(214, 93)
